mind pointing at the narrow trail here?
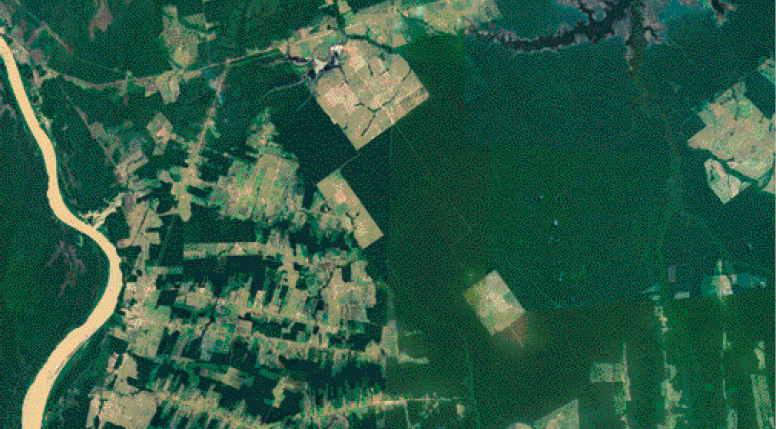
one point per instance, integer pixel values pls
(675, 204)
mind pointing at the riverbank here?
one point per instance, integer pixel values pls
(37, 395)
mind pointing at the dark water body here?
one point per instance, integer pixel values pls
(537, 17)
(714, 57)
(588, 29)
(304, 129)
(527, 89)
(500, 130)
(35, 318)
(467, 168)
(567, 144)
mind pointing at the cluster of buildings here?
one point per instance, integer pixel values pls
(375, 87)
(279, 324)
(257, 332)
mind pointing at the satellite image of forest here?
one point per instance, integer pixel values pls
(394, 214)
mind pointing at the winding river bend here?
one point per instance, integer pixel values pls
(38, 393)
(591, 30)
